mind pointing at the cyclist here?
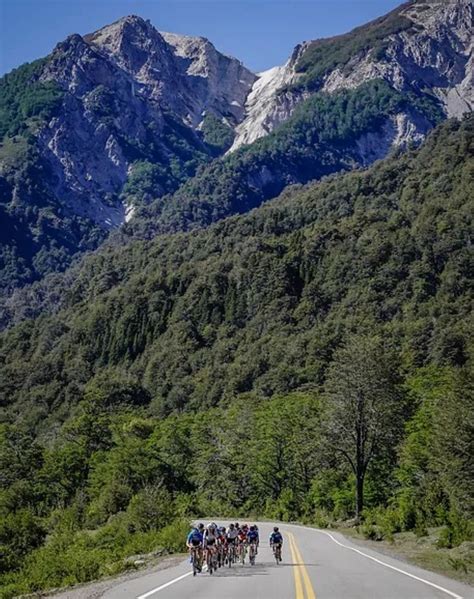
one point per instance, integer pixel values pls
(222, 545)
(252, 540)
(276, 539)
(231, 537)
(210, 540)
(252, 535)
(232, 533)
(242, 542)
(195, 539)
(242, 534)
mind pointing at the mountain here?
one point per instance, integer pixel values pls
(423, 46)
(100, 112)
(259, 302)
(172, 375)
(125, 128)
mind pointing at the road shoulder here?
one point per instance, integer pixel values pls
(95, 590)
(423, 554)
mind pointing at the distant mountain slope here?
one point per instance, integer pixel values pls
(425, 46)
(327, 133)
(260, 301)
(88, 131)
(99, 134)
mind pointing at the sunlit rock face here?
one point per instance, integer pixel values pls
(123, 82)
(433, 55)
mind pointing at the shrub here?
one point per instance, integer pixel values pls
(150, 509)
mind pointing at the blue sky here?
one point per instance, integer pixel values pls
(261, 33)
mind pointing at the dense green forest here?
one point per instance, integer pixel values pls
(212, 371)
(320, 138)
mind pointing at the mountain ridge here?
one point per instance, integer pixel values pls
(264, 115)
(115, 120)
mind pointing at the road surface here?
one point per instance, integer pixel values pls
(316, 565)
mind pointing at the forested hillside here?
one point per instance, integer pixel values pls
(326, 134)
(206, 371)
(259, 302)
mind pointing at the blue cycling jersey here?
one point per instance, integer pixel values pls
(195, 535)
(276, 537)
(252, 535)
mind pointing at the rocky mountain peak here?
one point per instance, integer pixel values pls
(133, 44)
(425, 46)
(123, 85)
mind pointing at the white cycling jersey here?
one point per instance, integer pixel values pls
(232, 534)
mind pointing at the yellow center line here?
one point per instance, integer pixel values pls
(310, 594)
(296, 570)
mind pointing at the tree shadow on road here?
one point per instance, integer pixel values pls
(287, 564)
(260, 569)
(238, 571)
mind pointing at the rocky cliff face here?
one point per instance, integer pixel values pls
(124, 84)
(427, 48)
(131, 91)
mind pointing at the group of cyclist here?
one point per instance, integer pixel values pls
(217, 546)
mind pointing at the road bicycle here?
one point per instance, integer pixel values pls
(277, 552)
(252, 553)
(231, 556)
(242, 552)
(196, 560)
(222, 554)
(211, 559)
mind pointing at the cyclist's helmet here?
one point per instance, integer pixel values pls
(237, 525)
(252, 528)
(245, 527)
(200, 526)
(275, 529)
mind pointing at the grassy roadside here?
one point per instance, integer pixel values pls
(96, 588)
(72, 557)
(456, 563)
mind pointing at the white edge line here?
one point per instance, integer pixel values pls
(168, 584)
(431, 584)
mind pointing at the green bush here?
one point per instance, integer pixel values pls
(150, 509)
(457, 530)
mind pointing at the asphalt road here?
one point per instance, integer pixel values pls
(316, 565)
